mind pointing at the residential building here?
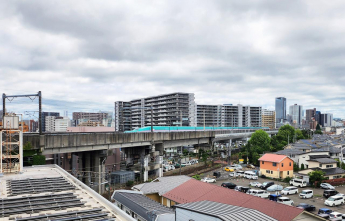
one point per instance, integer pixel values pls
(174, 109)
(280, 105)
(23, 126)
(57, 124)
(97, 117)
(43, 118)
(318, 117)
(276, 166)
(209, 210)
(140, 207)
(89, 123)
(325, 164)
(33, 126)
(295, 112)
(209, 115)
(50, 123)
(158, 187)
(197, 191)
(122, 116)
(269, 119)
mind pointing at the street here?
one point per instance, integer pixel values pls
(317, 200)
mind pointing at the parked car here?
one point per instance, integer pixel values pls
(229, 185)
(342, 195)
(250, 175)
(306, 207)
(298, 182)
(324, 213)
(255, 184)
(171, 167)
(233, 174)
(240, 173)
(289, 190)
(244, 189)
(216, 174)
(274, 197)
(329, 193)
(208, 180)
(237, 166)
(238, 188)
(335, 215)
(166, 168)
(229, 169)
(187, 164)
(327, 186)
(177, 165)
(285, 200)
(250, 166)
(306, 194)
(275, 187)
(258, 193)
(334, 201)
(265, 185)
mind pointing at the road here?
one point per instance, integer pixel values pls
(317, 200)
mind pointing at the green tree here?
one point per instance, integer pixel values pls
(287, 132)
(295, 167)
(302, 166)
(299, 135)
(316, 176)
(260, 140)
(39, 160)
(318, 132)
(318, 127)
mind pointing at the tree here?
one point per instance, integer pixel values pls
(316, 176)
(260, 140)
(287, 132)
(302, 166)
(295, 167)
(318, 127)
(299, 134)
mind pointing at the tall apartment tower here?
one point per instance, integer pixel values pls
(90, 116)
(122, 116)
(310, 118)
(268, 119)
(175, 109)
(326, 120)
(228, 115)
(280, 105)
(295, 113)
(47, 114)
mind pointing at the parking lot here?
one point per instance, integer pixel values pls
(317, 200)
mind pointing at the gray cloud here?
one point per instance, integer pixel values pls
(88, 55)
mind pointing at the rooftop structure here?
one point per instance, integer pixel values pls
(48, 193)
(221, 211)
(272, 157)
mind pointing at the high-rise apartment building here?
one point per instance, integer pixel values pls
(295, 113)
(122, 116)
(228, 115)
(280, 107)
(57, 124)
(310, 114)
(173, 109)
(47, 114)
(98, 117)
(268, 119)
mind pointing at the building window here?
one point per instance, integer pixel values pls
(320, 165)
(290, 164)
(271, 171)
(267, 171)
(282, 164)
(262, 162)
(274, 164)
(328, 166)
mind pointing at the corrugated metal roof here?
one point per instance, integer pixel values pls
(272, 157)
(141, 204)
(194, 190)
(331, 171)
(225, 211)
(161, 185)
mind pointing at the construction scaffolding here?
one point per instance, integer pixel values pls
(11, 150)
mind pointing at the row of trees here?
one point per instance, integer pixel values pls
(260, 142)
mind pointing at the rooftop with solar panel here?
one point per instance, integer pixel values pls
(47, 192)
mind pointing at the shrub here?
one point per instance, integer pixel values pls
(287, 179)
(130, 183)
(39, 160)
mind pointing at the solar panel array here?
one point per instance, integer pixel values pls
(34, 186)
(92, 214)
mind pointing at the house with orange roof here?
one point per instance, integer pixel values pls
(276, 166)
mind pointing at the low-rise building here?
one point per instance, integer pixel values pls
(327, 165)
(276, 166)
(140, 207)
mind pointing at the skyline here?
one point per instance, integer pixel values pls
(84, 57)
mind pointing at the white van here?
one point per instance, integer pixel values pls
(250, 175)
(298, 182)
(305, 194)
(334, 201)
(259, 193)
(289, 190)
(240, 173)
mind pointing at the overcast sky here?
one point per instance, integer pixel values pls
(85, 55)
